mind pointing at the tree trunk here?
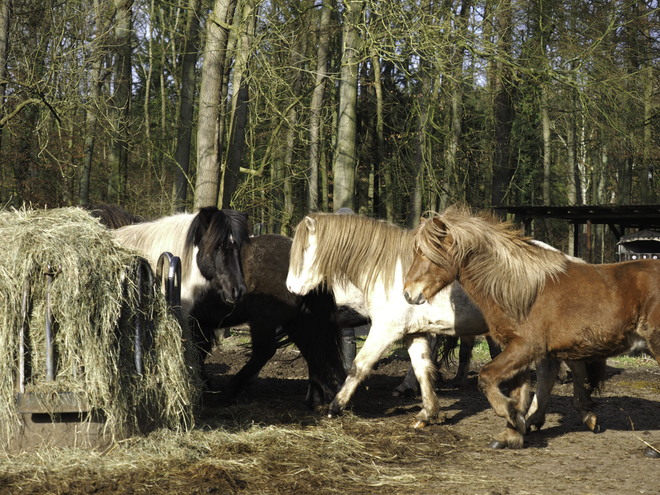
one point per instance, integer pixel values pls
(232, 164)
(297, 59)
(148, 68)
(5, 9)
(316, 106)
(344, 165)
(503, 108)
(456, 103)
(380, 167)
(118, 160)
(547, 158)
(571, 169)
(186, 108)
(208, 178)
(647, 194)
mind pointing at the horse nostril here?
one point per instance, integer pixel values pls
(406, 294)
(236, 293)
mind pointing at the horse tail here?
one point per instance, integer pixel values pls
(596, 374)
(446, 347)
(317, 334)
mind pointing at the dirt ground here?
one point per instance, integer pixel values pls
(388, 456)
(564, 457)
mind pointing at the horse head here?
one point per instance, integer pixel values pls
(304, 275)
(432, 268)
(218, 236)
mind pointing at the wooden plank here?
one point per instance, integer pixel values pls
(46, 403)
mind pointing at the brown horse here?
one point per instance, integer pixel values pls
(538, 303)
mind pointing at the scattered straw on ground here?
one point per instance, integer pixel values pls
(281, 452)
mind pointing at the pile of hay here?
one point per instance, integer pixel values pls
(92, 300)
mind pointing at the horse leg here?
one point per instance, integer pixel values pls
(263, 349)
(425, 369)
(378, 341)
(582, 388)
(546, 376)
(493, 347)
(464, 357)
(653, 340)
(512, 366)
(409, 387)
(322, 350)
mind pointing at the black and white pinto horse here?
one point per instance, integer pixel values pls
(229, 279)
(209, 245)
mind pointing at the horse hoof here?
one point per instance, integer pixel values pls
(419, 423)
(405, 393)
(334, 409)
(497, 445)
(652, 453)
(592, 422)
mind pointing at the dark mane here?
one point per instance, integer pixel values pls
(218, 226)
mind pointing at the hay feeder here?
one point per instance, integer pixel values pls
(94, 351)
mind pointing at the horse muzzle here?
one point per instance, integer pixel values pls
(419, 299)
(234, 294)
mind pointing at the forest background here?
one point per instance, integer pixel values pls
(280, 107)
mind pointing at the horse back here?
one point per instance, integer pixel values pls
(266, 265)
(597, 310)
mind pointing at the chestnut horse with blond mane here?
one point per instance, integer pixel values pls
(538, 303)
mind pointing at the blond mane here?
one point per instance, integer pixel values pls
(354, 248)
(494, 256)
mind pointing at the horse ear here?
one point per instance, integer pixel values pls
(310, 223)
(200, 224)
(442, 231)
(439, 224)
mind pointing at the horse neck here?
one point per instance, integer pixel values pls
(166, 234)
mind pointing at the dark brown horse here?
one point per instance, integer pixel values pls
(539, 304)
(276, 317)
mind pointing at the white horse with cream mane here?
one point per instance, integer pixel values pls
(363, 261)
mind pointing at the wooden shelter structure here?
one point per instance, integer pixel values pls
(617, 217)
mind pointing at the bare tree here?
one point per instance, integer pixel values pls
(208, 170)
(344, 165)
(186, 108)
(503, 105)
(238, 117)
(121, 101)
(317, 105)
